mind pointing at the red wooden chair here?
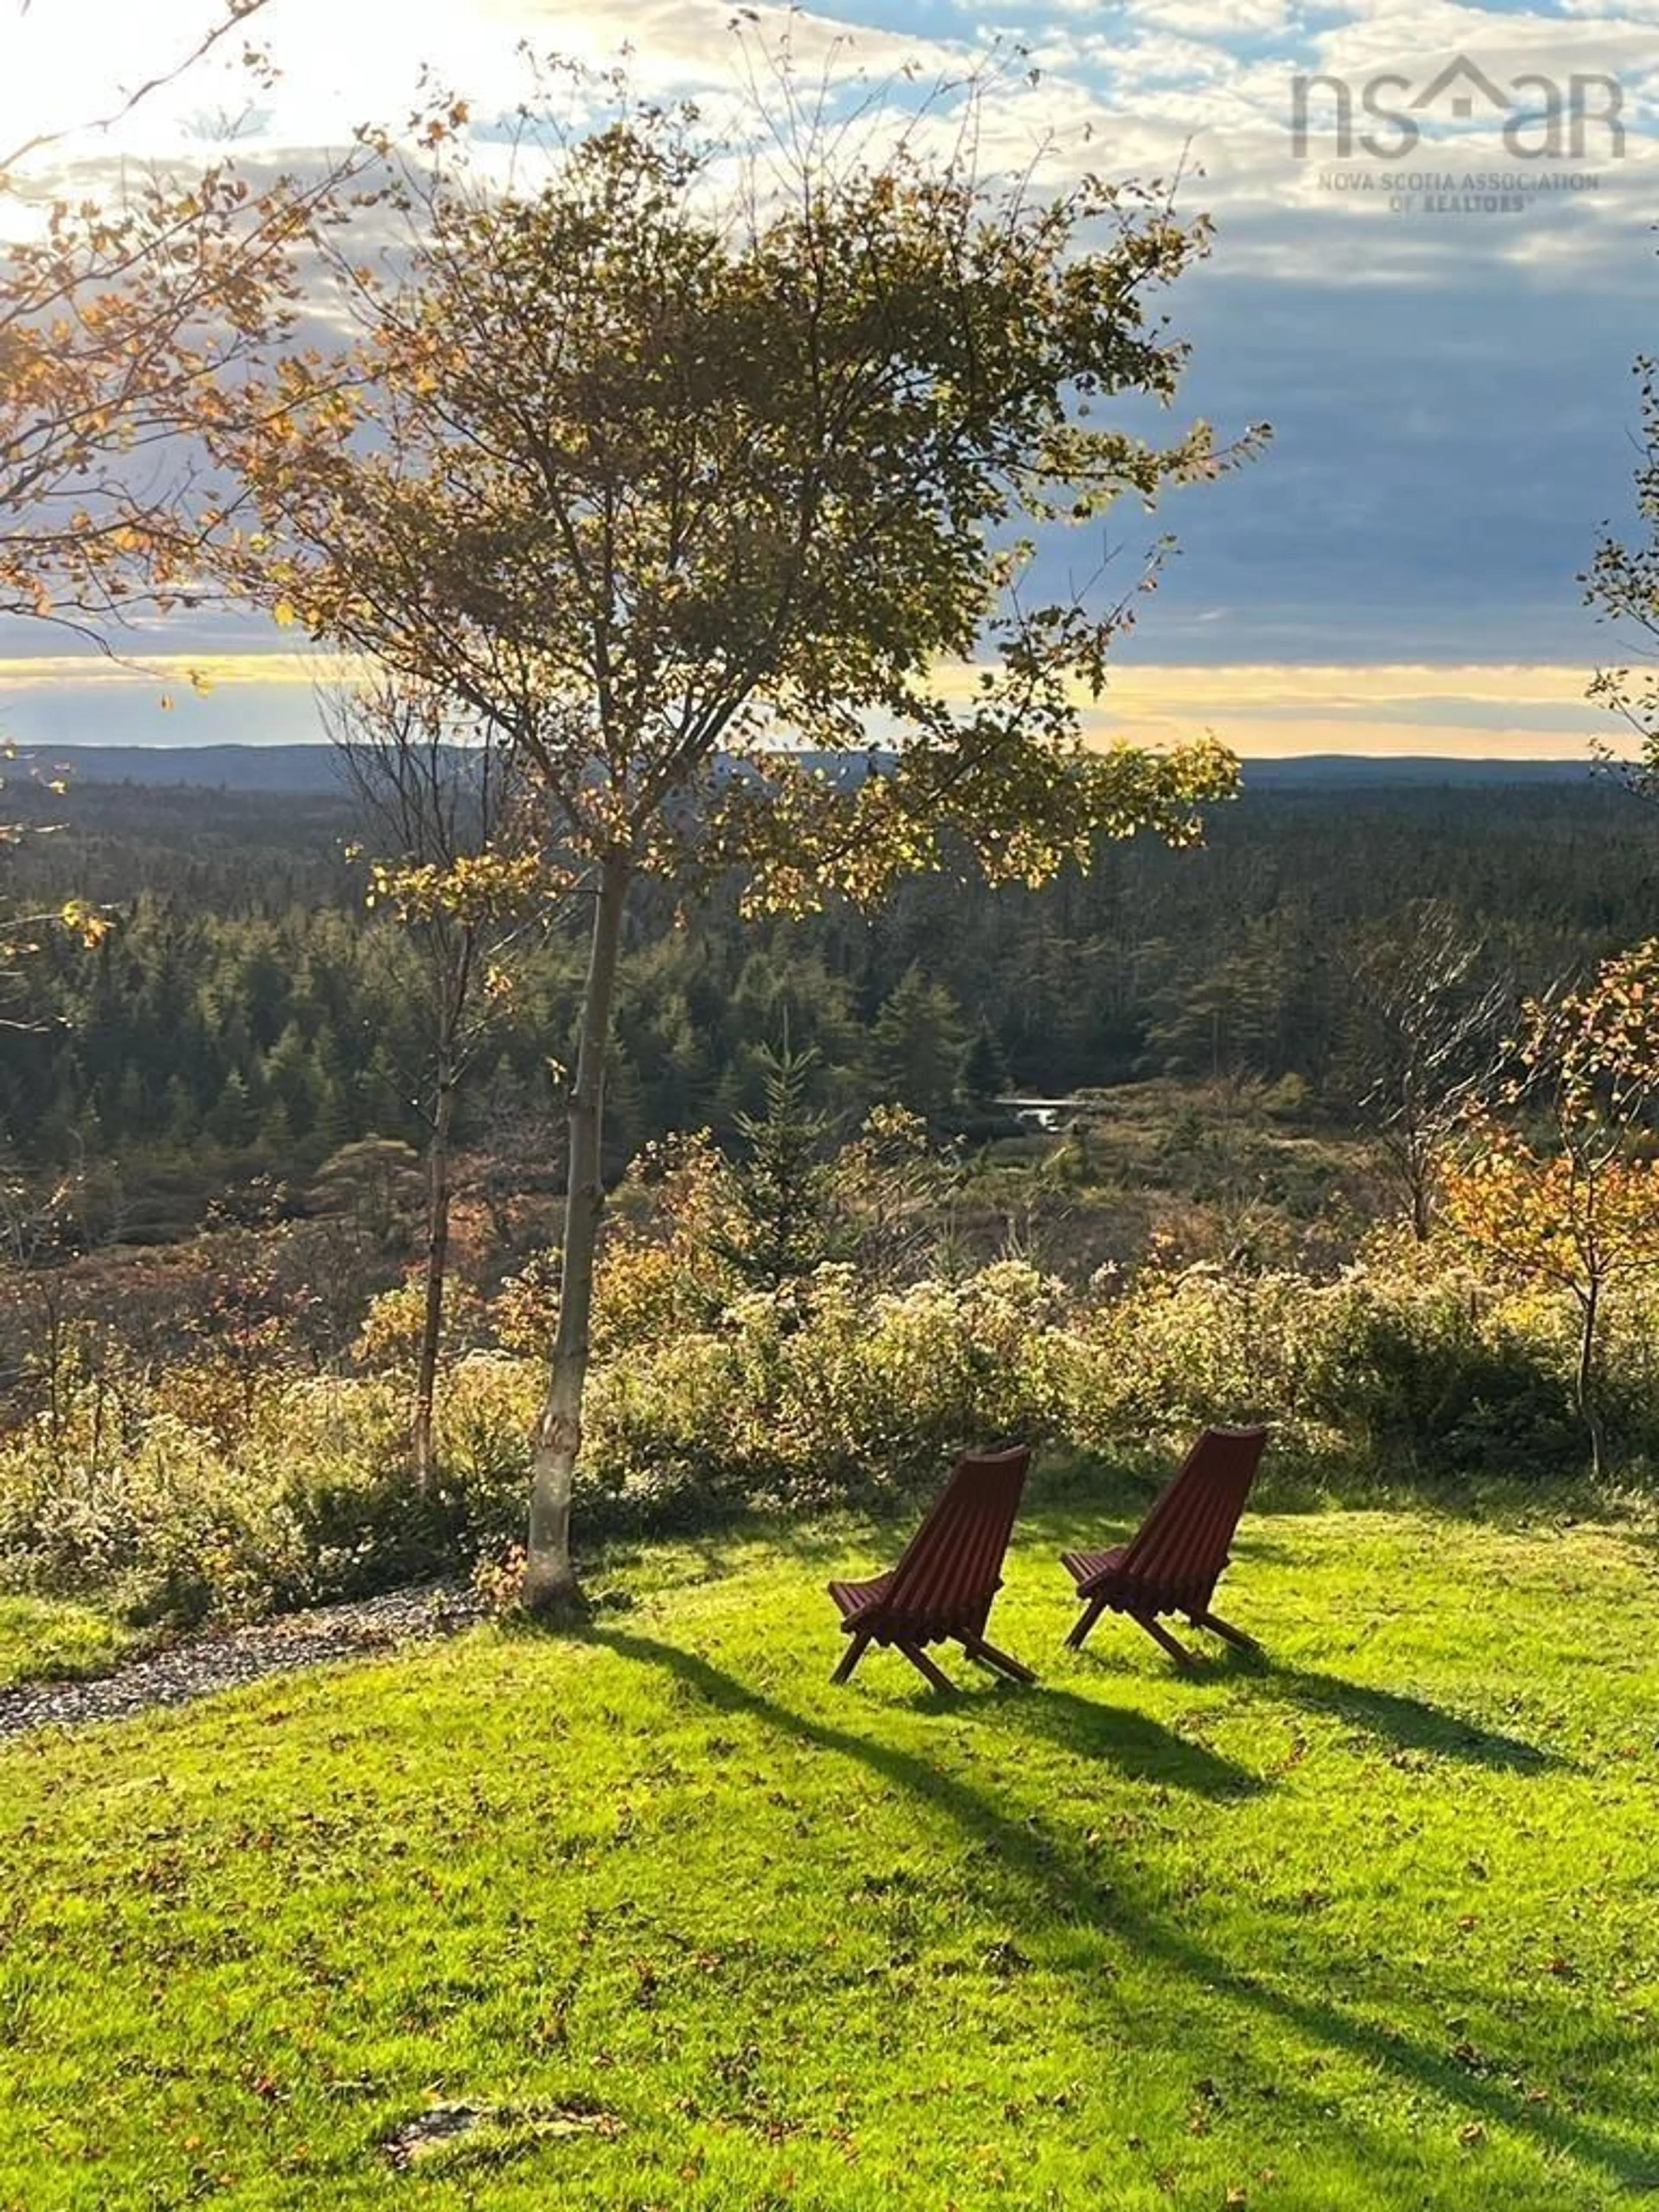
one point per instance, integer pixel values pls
(950, 1569)
(1174, 1561)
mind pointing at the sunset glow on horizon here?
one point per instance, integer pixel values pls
(1260, 710)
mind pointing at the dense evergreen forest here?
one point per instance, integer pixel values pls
(246, 1016)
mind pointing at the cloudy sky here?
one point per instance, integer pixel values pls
(1435, 305)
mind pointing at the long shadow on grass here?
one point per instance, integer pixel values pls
(1412, 1723)
(1131, 1742)
(1028, 1866)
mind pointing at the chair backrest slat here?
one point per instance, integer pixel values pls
(1184, 1540)
(953, 1562)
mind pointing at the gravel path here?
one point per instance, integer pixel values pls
(223, 1661)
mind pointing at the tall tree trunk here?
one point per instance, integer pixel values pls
(1418, 1152)
(437, 1268)
(1584, 1381)
(550, 1588)
(1422, 1219)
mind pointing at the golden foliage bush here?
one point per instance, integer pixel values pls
(232, 1493)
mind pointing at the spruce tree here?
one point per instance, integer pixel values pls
(783, 1219)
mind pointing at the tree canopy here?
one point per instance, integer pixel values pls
(646, 464)
(692, 470)
(122, 314)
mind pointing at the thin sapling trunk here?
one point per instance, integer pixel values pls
(437, 1268)
(551, 1589)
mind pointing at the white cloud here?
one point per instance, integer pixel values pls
(1216, 20)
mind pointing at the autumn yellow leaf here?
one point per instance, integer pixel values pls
(90, 924)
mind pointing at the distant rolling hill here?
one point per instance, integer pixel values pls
(312, 768)
(1326, 771)
(309, 768)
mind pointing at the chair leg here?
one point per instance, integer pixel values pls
(1219, 1627)
(924, 1665)
(989, 1656)
(855, 1649)
(1159, 1634)
(1080, 1628)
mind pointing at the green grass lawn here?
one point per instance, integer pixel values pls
(1371, 1926)
(43, 1641)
